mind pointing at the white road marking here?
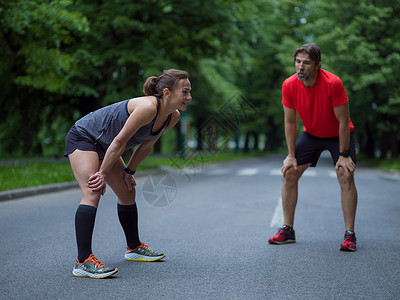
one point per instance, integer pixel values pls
(307, 173)
(248, 172)
(275, 172)
(219, 172)
(332, 174)
(310, 173)
(277, 218)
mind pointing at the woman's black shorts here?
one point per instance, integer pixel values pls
(74, 140)
(309, 148)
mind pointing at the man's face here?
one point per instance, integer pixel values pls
(305, 67)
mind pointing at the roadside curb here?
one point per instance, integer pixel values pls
(393, 174)
(26, 192)
(49, 188)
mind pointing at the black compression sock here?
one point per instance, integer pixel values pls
(84, 223)
(128, 217)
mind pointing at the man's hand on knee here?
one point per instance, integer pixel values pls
(289, 162)
(346, 163)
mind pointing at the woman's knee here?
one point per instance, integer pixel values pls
(126, 197)
(90, 198)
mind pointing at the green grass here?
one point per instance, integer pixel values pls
(388, 164)
(34, 174)
(22, 175)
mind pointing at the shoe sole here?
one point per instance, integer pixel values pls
(82, 273)
(138, 257)
(284, 242)
(347, 249)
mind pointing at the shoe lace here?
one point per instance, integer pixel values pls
(144, 245)
(96, 261)
(141, 245)
(350, 238)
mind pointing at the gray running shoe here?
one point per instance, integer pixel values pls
(142, 253)
(92, 268)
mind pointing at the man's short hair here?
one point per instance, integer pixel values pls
(312, 50)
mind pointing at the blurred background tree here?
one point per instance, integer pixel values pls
(361, 44)
(35, 72)
(61, 59)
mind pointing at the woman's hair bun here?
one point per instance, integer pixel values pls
(154, 86)
(149, 87)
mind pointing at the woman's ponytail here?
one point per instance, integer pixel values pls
(154, 86)
(149, 87)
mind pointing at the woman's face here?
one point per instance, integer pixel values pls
(180, 96)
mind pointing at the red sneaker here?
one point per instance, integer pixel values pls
(349, 243)
(285, 235)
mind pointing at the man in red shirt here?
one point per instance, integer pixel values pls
(320, 99)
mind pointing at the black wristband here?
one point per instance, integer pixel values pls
(129, 171)
(344, 153)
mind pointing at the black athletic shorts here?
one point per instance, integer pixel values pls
(74, 140)
(309, 148)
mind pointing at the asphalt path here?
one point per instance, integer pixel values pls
(213, 223)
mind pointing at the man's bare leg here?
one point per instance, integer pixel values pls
(348, 197)
(290, 193)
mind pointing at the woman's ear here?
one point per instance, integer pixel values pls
(166, 92)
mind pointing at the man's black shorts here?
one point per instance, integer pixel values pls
(309, 148)
(75, 141)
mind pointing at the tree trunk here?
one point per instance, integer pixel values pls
(25, 128)
(179, 141)
(246, 143)
(199, 136)
(384, 145)
(157, 146)
(256, 140)
(370, 144)
(213, 137)
(394, 149)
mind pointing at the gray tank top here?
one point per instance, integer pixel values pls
(103, 125)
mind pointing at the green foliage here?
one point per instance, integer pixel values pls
(35, 68)
(61, 59)
(33, 35)
(360, 42)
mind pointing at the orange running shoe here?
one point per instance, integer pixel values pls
(92, 268)
(142, 253)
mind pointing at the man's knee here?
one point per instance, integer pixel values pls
(344, 177)
(292, 175)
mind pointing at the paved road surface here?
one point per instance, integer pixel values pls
(214, 233)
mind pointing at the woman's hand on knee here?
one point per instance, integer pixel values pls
(129, 180)
(97, 183)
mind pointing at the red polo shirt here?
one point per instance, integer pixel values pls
(315, 105)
